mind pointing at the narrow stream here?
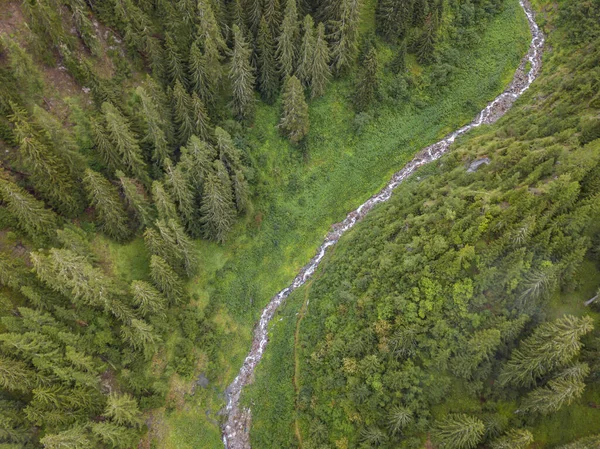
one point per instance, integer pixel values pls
(236, 431)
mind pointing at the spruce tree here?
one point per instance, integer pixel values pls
(166, 280)
(174, 61)
(294, 120)
(49, 172)
(30, 214)
(307, 52)
(367, 87)
(459, 432)
(552, 345)
(398, 65)
(148, 299)
(268, 79)
(136, 199)
(121, 136)
(105, 200)
(114, 435)
(108, 152)
(15, 375)
(123, 410)
(74, 438)
(513, 439)
(242, 78)
(287, 40)
(345, 35)
(320, 72)
(140, 336)
(163, 201)
(271, 12)
(201, 82)
(180, 187)
(182, 113)
(200, 118)
(426, 41)
(156, 127)
(217, 209)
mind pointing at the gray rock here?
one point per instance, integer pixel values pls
(478, 163)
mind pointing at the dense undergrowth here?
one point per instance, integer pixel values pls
(414, 318)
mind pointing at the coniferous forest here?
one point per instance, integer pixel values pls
(167, 166)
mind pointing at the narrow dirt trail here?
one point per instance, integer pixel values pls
(236, 430)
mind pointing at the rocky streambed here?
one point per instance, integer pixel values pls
(236, 430)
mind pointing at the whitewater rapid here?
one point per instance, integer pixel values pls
(236, 428)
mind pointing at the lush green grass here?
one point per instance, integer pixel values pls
(300, 194)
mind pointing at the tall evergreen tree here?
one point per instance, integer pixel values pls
(166, 280)
(182, 113)
(552, 345)
(201, 81)
(242, 78)
(156, 126)
(345, 35)
(320, 72)
(136, 200)
(459, 432)
(287, 40)
(398, 65)
(307, 52)
(105, 200)
(163, 201)
(30, 214)
(148, 299)
(180, 187)
(200, 118)
(107, 150)
(121, 136)
(513, 439)
(217, 209)
(50, 173)
(294, 120)
(368, 85)
(123, 410)
(268, 79)
(175, 63)
(426, 41)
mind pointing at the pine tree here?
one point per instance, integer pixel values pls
(307, 52)
(136, 199)
(163, 202)
(156, 126)
(30, 214)
(197, 160)
(175, 63)
(368, 85)
(148, 299)
(209, 27)
(123, 410)
(286, 43)
(166, 280)
(217, 209)
(242, 78)
(345, 35)
(584, 443)
(121, 136)
(480, 347)
(200, 118)
(105, 200)
(459, 432)
(271, 11)
(226, 150)
(552, 345)
(182, 113)
(268, 79)
(294, 121)
(513, 439)
(320, 71)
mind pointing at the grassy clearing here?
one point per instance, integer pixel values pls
(299, 195)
